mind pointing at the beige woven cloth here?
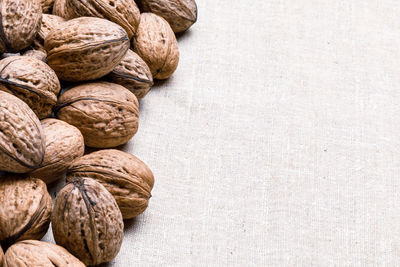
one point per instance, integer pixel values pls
(277, 141)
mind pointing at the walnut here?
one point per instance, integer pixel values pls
(25, 209)
(87, 221)
(64, 143)
(38, 253)
(125, 176)
(107, 114)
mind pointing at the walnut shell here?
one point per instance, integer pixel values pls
(31, 80)
(122, 12)
(21, 141)
(87, 221)
(64, 143)
(24, 211)
(20, 22)
(180, 14)
(60, 9)
(156, 44)
(38, 54)
(1, 257)
(49, 22)
(125, 176)
(85, 48)
(132, 73)
(38, 253)
(47, 5)
(107, 114)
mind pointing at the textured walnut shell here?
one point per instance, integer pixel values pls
(122, 12)
(125, 176)
(31, 80)
(132, 73)
(49, 22)
(64, 143)
(60, 9)
(38, 54)
(38, 253)
(21, 141)
(156, 44)
(47, 5)
(180, 14)
(24, 211)
(85, 48)
(20, 22)
(107, 114)
(87, 221)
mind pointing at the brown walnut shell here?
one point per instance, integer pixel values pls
(47, 5)
(156, 44)
(180, 14)
(20, 22)
(132, 73)
(38, 253)
(122, 12)
(21, 141)
(87, 221)
(125, 176)
(31, 80)
(25, 209)
(49, 22)
(64, 143)
(38, 54)
(60, 9)
(85, 48)
(107, 114)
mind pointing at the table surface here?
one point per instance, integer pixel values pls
(276, 142)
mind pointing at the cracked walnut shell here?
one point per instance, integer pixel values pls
(156, 44)
(85, 48)
(64, 143)
(24, 211)
(125, 176)
(22, 143)
(31, 80)
(107, 114)
(38, 253)
(87, 221)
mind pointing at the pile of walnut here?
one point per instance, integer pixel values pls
(107, 53)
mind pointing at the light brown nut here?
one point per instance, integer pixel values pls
(38, 253)
(132, 73)
(21, 141)
(64, 143)
(20, 22)
(60, 9)
(38, 54)
(47, 5)
(156, 44)
(125, 176)
(87, 221)
(122, 12)
(85, 48)
(31, 80)
(49, 22)
(107, 114)
(180, 14)
(25, 209)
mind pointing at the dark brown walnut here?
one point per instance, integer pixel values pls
(38, 253)
(156, 44)
(31, 80)
(132, 73)
(64, 143)
(125, 176)
(60, 9)
(47, 5)
(20, 22)
(180, 14)
(122, 12)
(107, 114)
(38, 54)
(49, 22)
(25, 209)
(85, 48)
(87, 221)
(21, 141)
